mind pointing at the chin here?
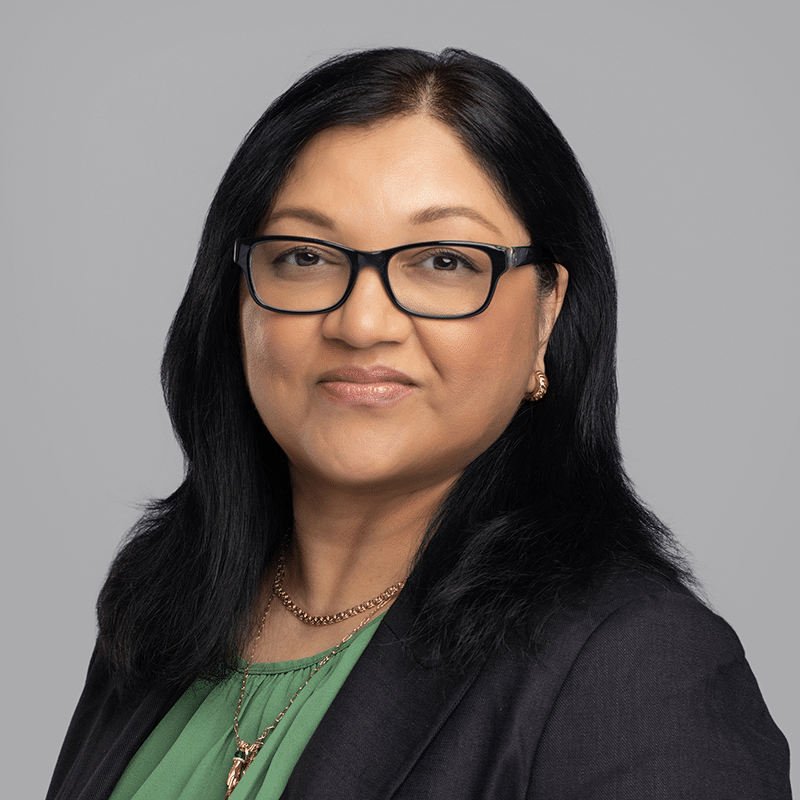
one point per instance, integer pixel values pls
(361, 475)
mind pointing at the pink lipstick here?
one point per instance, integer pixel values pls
(356, 386)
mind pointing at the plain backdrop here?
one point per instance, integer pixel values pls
(118, 120)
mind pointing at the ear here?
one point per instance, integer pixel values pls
(549, 309)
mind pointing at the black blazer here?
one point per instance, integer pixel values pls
(641, 694)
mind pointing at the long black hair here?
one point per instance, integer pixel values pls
(532, 522)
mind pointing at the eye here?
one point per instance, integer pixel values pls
(300, 257)
(444, 261)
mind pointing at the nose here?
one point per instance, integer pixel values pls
(368, 316)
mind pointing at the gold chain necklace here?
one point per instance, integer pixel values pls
(327, 619)
(245, 753)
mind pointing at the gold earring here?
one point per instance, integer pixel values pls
(541, 391)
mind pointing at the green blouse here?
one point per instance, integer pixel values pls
(189, 753)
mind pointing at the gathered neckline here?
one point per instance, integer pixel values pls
(280, 667)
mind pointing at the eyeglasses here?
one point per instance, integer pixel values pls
(437, 280)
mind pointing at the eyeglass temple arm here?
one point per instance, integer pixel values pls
(529, 254)
(539, 255)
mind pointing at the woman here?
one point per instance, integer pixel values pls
(381, 412)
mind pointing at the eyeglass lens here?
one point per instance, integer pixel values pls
(439, 280)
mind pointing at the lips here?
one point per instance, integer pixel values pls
(351, 374)
(357, 386)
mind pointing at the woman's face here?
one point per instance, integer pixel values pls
(316, 380)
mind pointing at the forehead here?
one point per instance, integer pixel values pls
(390, 173)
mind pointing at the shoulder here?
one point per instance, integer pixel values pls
(637, 644)
(640, 690)
(651, 623)
(651, 690)
(103, 735)
(647, 619)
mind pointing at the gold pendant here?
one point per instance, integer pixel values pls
(242, 759)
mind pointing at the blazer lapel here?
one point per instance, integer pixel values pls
(380, 722)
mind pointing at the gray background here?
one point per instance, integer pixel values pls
(118, 120)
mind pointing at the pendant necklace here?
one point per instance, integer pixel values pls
(245, 752)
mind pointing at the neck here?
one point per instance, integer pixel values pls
(349, 547)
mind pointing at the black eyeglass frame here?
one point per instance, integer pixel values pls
(503, 259)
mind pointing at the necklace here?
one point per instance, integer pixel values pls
(245, 753)
(327, 619)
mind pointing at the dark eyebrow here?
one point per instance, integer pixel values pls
(443, 212)
(431, 214)
(305, 214)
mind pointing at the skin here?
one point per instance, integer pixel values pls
(366, 478)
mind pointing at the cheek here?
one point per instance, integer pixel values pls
(255, 353)
(486, 365)
(497, 350)
(272, 356)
